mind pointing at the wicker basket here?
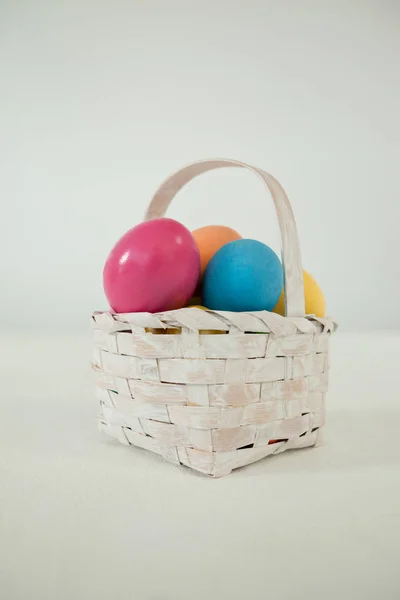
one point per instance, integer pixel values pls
(214, 403)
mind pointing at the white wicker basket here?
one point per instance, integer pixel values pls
(215, 402)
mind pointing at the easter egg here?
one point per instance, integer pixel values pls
(313, 296)
(154, 267)
(210, 239)
(244, 275)
(193, 301)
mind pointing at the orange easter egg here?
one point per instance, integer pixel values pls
(210, 239)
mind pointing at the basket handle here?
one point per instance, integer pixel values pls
(292, 266)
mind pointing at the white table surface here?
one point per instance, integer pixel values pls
(83, 517)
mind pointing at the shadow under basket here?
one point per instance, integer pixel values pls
(215, 390)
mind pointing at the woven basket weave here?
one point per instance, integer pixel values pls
(215, 402)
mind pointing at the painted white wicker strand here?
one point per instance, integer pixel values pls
(253, 387)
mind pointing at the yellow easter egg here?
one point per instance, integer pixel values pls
(212, 332)
(194, 301)
(314, 298)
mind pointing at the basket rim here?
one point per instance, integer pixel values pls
(196, 319)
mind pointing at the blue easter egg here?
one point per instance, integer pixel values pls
(244, 275)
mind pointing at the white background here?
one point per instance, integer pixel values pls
(100, 101)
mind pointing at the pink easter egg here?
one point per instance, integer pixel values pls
(154, 267)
